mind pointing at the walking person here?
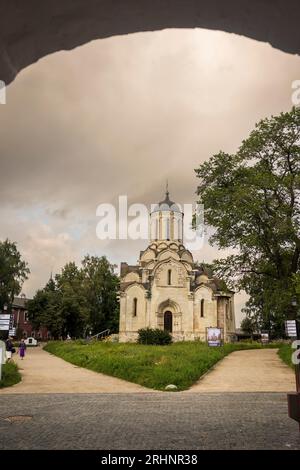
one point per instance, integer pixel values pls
(22, 349)
(9, 348)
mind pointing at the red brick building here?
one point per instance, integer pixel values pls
(21, 322)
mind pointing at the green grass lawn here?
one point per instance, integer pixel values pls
(285, 353)
(10, 375)
(155, 367)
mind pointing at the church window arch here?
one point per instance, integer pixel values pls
(169, 277)
(168, 236)
(135, 307)
(202, 308)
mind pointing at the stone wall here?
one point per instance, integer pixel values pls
(33, 29)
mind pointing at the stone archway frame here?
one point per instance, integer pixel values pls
(208, 288)
(183, 275)
(134, 284)
(124, 294)
(173, 307)
(31, 30)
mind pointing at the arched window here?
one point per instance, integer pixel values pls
(168, 321)
(202, 308)
(135, 307)
(169, 277)
(153, 229)
(158, 224)
(168, 229)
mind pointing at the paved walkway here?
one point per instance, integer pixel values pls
(44, 373)
(147, 421)
(42, 412)
(254, 370)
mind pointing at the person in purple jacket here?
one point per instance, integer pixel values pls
(22, 349)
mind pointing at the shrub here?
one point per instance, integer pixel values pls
(248, 341)
(11, 375)
(154, 336)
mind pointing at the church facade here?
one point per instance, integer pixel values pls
(168, 290)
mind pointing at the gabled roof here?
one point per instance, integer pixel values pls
(126, 268)
(20, 302)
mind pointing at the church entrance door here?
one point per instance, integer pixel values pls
(168, 322)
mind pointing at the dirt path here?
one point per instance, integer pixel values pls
(44, 373)
(254, 370)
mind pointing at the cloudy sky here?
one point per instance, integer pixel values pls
(120, 116)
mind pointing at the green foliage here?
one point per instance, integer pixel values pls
(247, 340)
(73, 302)
(13, 272)
(252, 200)
(154, 336)
(101, 289)
(78, 300)
(296, 284)
(10, 375)
(44, 309)
(285, 353)
(181, 364)
(248, 325)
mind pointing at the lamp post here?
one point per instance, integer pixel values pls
(294, 398)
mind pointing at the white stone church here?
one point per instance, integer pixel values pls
(167, 290)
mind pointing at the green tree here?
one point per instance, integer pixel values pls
(73, 308)
(248, 325)
(101, 287)
(78, 300)
(252, 200)
(296, 283)
(44, 310)
(13, 272)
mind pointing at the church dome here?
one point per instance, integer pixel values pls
(166, 221)
(167, 205)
